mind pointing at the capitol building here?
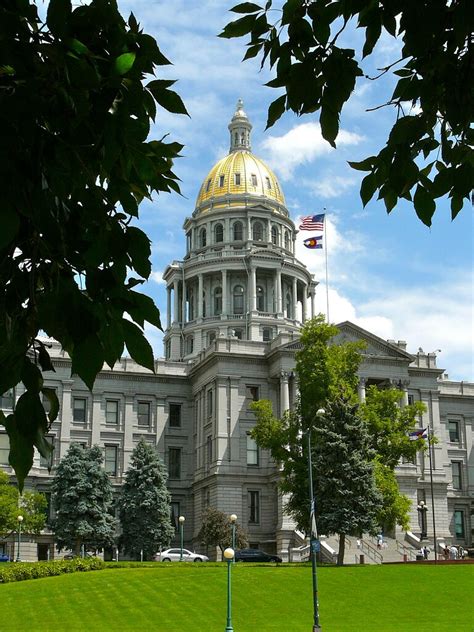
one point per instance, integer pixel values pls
(235, 304)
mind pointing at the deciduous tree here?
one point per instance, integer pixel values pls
(429, 150)
(31, 505)
(82, 498)
(75, 164)
(216, 530)
(145, 504)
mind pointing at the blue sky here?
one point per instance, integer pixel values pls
(387, 273)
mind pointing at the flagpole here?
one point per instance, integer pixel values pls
(432, 495)
(327, 286)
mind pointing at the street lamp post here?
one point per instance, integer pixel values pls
(181, 520)
(313, 541)
(20, 520)
(229, 556)
(422, 510)
(233, 520)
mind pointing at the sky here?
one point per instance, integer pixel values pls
(389, 274)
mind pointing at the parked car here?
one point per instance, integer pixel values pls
(72, 556)
(255, 555)
(4, 557)
(174, 555)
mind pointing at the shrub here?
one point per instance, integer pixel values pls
(17, 572)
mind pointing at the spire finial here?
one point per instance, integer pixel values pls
(240, 128)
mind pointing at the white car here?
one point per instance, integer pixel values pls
(174, 555)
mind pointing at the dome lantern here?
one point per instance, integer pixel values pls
(240, 128)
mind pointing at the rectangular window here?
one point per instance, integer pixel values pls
(411, 399)
(175, 415)
(237, 178)
(210, 402)
(111, 411)
(46, 403)
(252, 393)
(267, 334)
(79, 409)
(111, 454)
(6, 400)
(175, 513)
(254, 180)
(459, 531)
(252, 451)
(254, 507)
(456, 467)
(269, 184)
(209, 450)
(453, 429)
(174, 463)
(4, 448)
(221, 181)
(47, 462)
(208, 185)
(144, 413)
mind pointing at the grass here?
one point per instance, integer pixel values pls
(192, 598)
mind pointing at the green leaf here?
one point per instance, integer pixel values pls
(275, 110)
(138, 247)
(57, 16)
(113, 342)
(21, 451)
(50, 394)
(456, 205)
(239, 27)
(144, 309)
(87, 359)
(138, 346)
(363, 165)
(424, 205)
(31, 377)
(367, 188)
(246, 7)
(329, 121)
(168, 99)
(124, 63)
(252, 51)
(10, 226)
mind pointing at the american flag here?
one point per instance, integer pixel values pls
(312, 222)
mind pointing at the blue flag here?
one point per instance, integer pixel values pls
(314, 242)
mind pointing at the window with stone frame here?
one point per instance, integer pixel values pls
(238, 231)
(253, 393)
(453, 431)
(238, 299)
(237, 179)
(209, 450)
(175, 512)
(252, 451)
(456, 469)
(287, 240)
(111, 411)
(4, 448)
(203, 238)
(257, 231)
(221, 181)
(217, 301)
(174, 463)
(79, 409)
(267, 334)
(274, 235)
(144, 413)
(459, 528)
(48, 461)
(218, 233)
(253, 506)
(261, 307)
(7, 400)
(175, 416)
(253, 178)
(210, 402)
(111, 460)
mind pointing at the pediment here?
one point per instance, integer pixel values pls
(375, 346)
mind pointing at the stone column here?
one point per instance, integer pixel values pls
(278, 290)
(183, 302)
(312, 293)
(199, 296)
(295, 298)
(303, 302)
(284, 392)
(168, 306)
(405, 384)
(225, 300)
(361, 389)
(66, 420)
(176, 302)
(253, 289)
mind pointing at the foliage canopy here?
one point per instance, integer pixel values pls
(74, 165)
(216, 530)
(31, 505)
(429, 151)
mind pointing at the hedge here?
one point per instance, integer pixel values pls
(19, 571)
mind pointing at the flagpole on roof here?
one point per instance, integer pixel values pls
(432, 494)
(326, 258)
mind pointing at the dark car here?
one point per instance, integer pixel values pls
(4, 557)
(255, 555)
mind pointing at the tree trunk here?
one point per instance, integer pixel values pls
(77, 550)
(342, 546)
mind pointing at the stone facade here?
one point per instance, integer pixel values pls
(235, 304)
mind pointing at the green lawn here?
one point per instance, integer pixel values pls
(192, 598)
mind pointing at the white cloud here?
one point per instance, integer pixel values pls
(301, 145)
(157, 276)
(331, 185)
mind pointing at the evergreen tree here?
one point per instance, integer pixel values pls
(145, 504)
(347, 499)
(82, 496)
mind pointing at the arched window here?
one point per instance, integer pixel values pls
(218, 233)
(218, 301)
(238, 230)
(260, 299)
(257, 231)
(202, 238)
(287, 240)
(274, 235)
(238, 297)
(289, 306)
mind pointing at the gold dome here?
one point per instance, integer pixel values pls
(239, 173)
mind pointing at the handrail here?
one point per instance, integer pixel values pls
(404, 550)
(374, 555)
